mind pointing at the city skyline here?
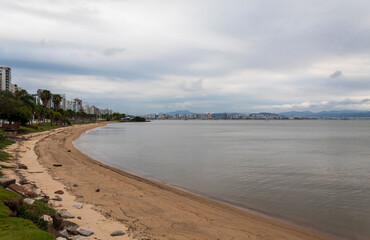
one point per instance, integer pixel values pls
(210, 56)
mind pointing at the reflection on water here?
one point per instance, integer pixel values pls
(314, 173)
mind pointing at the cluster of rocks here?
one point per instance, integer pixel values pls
(59, 226)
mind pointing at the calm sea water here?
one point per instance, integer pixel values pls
(312, 173)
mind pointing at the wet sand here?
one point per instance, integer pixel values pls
(148, 208)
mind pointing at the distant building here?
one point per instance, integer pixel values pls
(14, 88)
(86, 108)
(75, 105)
(63, 103)
(5, 78)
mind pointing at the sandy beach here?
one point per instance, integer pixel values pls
(144, 208)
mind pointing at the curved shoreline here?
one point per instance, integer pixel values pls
(152, 209)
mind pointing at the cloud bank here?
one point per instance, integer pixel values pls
(207, 56)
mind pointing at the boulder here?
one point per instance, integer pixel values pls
(23, 182)
(5, 182)
(78, 205)
(31, 194)
(57, 198)
(61, 238)
(22, 190)
(45, 199)
(57, 165)
(47, 218)
(68, 225)
(117, 233)
(64, 233)
(84, 231)
(22, 166)
(79, 238)
(57, 221)
(17, 188)
(65, 214)
(28, 201)
(59, 192)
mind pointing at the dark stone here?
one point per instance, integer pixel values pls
(52, 230)
(57, 221)
(65, 214)
(59, 192)
(69, 150)
(45, 199)
(84, 231)
(79, 217)
(57, 165)
(117, 233)
(97, 190)
(23, 182)
(67, 224)
(75, 185)
(31, 194)
(22, 166)
(5, 182)
(57, 198)
(17, 188)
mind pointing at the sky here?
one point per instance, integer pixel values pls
(148, 56)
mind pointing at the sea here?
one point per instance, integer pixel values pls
(311, 173)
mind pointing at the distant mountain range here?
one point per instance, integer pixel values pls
(182, 112)
(322, 114)
(331, 114)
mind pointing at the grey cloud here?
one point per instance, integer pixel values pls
(112, 51)
(336, 74)
(281, 36)
(196, 85)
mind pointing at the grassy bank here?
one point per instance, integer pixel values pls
(17, 220)
(40, 127)
(4, 156)
(15, 228)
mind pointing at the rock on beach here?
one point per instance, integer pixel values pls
(5, 182)
(117, 233)
(65, 214)
(84, 231)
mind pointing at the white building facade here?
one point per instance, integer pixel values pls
(5, 78)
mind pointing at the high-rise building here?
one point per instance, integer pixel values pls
(75, 105)
(5, 78)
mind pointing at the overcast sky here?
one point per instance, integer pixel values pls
(204, 56)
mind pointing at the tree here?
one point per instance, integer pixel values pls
(24, 97)
(56, 100)
(5, 107)
(50, 114)
(13, 109)
(27, 100)
(57, 116)
(23, 115)
(45, 96)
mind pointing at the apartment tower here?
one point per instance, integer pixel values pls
(5, 78)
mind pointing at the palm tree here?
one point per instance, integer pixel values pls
(24, 97)
(56, 100)
(45, 96)
(27, 100)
